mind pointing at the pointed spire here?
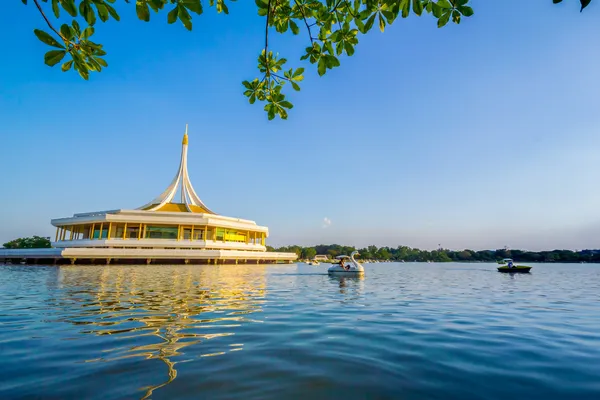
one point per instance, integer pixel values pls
(189, 198)
(185, 136)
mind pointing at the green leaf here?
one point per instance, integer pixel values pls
(55, 8)
(405, 6)
(193, 5)
(585, 3)
(102, 12)
(86, 10)
(76, 28)
(66, 31)
(444, 18)
(465, 10)
(295, 86)
(53, 57)
(172, 16)
(322, 66)
(82, 69)
(184, 17)
(369, 23)
(444, 4)
(349, 48)
(101, 61)
(46, 38)
(298, 74)
(294, 27)
(67, 66)
(270, 109)
(381, 23)
(87, 32)
(417, 7)
(112, 12)
(69, 6)
(142, 10)
(456, 17)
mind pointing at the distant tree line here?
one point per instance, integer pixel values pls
(35, 242)
(408, 254)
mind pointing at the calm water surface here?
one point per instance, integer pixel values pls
(404, 331)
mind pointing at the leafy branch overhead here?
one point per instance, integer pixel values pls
(332, 29)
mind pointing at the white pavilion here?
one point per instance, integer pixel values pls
(161, 231)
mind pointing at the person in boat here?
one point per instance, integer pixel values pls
(511, 265)
(343, 264)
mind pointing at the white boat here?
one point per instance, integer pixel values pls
(315, 262)
(352, 267)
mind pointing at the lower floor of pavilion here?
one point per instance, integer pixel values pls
(103, 256)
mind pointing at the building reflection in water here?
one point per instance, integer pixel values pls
(161, 310)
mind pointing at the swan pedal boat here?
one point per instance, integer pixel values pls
(354, 267)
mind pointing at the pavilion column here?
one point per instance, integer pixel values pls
(125, 231)
(56, 237)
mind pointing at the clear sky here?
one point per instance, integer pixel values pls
(473, 136)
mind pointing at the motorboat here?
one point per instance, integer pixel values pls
(347, 266)
(510, 267)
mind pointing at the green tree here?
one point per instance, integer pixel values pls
(35, 242)
(332, 28)
(308, 253)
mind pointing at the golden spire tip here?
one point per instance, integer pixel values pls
(185, 136)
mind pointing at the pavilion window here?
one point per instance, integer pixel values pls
(100, 231)
(235, 236)
(132, 232)
(117, 231)
(85, 231)
(198, 233)
(161, 232)
(186, 233)
(220, 234)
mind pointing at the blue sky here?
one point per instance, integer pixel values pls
(479, 135)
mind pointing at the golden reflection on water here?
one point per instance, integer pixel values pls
(171, 303)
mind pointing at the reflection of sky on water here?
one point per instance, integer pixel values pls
(167, 309)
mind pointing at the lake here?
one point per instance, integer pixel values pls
(404, 331)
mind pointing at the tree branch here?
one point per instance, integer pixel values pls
(48, 22)
(305, 21)
(350, 9)
(268, 70)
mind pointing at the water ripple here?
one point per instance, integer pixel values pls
(410, 331)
